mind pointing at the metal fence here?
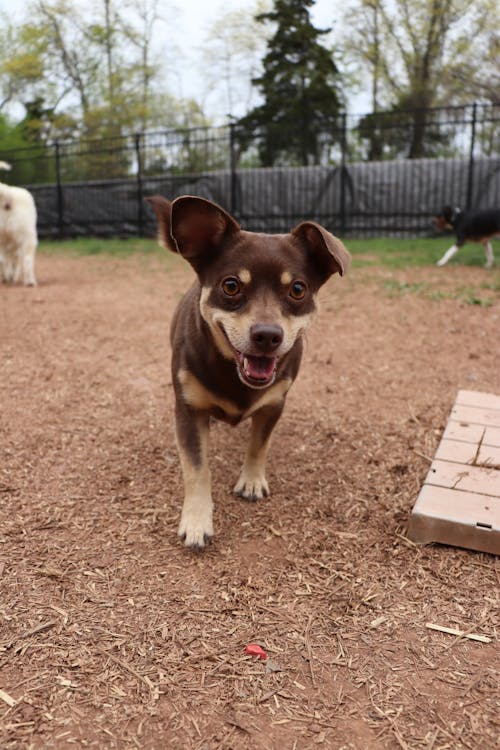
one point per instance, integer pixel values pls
(382, 173)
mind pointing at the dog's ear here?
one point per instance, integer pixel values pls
(163, 211)
(327, 251)
(199, 227)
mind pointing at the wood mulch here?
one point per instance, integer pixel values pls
(112, 635)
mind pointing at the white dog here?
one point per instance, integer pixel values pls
(18, 237)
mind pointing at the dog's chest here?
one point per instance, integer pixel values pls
(198, 396)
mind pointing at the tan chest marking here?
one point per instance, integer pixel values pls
(199, 397)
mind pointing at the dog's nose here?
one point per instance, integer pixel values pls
(267, 338)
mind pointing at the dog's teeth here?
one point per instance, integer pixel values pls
(245, 365)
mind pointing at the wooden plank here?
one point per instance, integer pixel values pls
(469, 433)
(492, 437)
(477, 479)
(468, 453)
(459, 502)
(478, 398)
(488, 457)
(476, 415)
(462, 519)
(443, 502)
(457, 451)
(472, 433)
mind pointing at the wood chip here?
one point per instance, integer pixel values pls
(459, 633)
(8, 699)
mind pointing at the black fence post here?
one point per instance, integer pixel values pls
(59, 191)
(343, 176)
(233, 208)
(470, 176)
(140, 193)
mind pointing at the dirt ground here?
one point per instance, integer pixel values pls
(112, 635)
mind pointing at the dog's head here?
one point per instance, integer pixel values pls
(258, 291)
(447, 219)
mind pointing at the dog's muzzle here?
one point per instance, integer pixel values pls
(257, 366)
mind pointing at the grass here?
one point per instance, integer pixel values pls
(97, 246)
(393, 252)
(380, 251)
(467, 294)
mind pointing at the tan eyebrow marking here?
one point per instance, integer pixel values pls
(286, 278)
(245, 276)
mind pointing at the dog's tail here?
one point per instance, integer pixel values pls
(5, 165)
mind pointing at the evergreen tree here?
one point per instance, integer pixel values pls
(299, 86)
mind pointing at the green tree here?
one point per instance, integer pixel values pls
(418, 54)
(232, 53)
(300, 88)
(31, 160)
(93, 68)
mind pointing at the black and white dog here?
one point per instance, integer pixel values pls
(474, 226)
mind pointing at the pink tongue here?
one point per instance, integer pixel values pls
(260, 368)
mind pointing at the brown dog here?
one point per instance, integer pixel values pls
(237, 336)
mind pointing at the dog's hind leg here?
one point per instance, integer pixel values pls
(252, 484)
(489, 255)
(196, 525)
(448, 254)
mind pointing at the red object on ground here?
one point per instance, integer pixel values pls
(253, 649)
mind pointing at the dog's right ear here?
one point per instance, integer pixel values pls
(199, 227)
(163, 211)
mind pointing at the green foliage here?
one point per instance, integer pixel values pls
(86, 72)
(31, 162)
(414, 55)
(402, 133)
(299, 86)
(231, 56)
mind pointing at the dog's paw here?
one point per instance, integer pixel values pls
(195, 530)
(251, 488)
(440, 262)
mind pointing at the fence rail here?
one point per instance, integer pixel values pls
(381, 173)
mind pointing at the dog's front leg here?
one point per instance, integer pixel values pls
(252, 484)
(489, 255)
(29, 267)
(448, 254)
(8, 269)
(196, 527)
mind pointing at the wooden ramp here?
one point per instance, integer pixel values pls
(459, 502)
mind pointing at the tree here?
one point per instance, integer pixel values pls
(300, 87)
(232, 55)
(412, 51)
(30, 160)
(92, 71)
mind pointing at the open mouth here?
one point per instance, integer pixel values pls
(256, 371)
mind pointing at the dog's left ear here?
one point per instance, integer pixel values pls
(327, 251)
(163, 211)
(199, 227)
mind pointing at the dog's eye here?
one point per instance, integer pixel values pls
(230, 286)
(298, 290)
